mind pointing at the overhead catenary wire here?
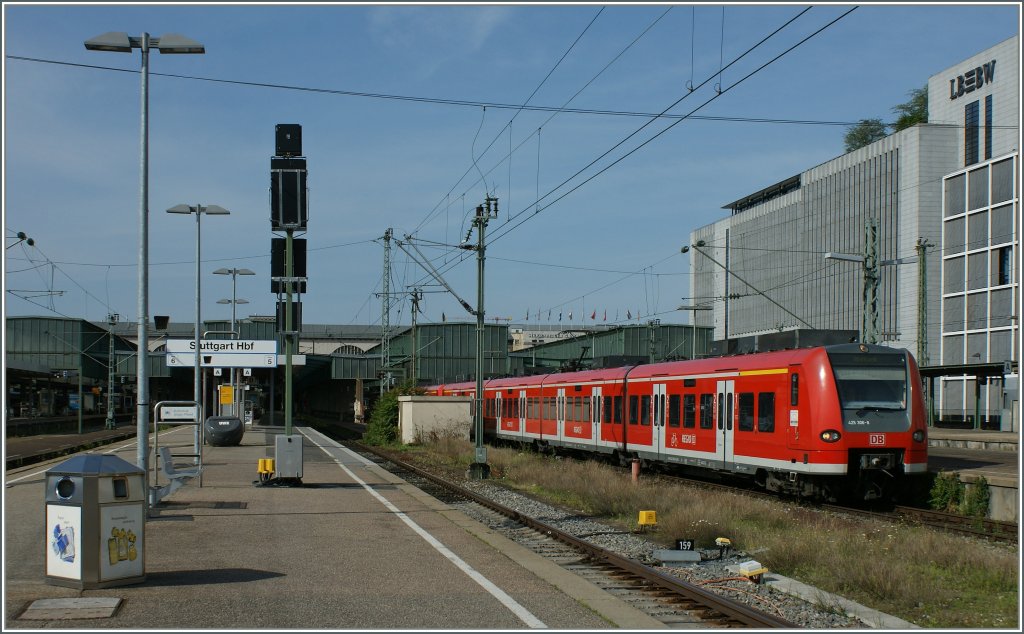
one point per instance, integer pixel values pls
(506, 228)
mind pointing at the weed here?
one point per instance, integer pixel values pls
(947, 492)
(976, 499)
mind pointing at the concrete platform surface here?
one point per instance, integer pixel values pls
(353, 548)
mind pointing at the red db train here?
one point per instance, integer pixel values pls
(828, 422)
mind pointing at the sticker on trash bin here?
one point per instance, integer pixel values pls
(64, 537)
(121, 546)
(121, 540)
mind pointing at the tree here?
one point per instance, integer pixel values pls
(913, 111)
(867, 131)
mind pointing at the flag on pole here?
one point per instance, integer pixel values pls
(629, 315)
(549, 314)
(527, 318)
(559, 315)
(605, 318)
(442, 318)
(570, 315)
(593, 314)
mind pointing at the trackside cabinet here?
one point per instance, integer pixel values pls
(95, 530)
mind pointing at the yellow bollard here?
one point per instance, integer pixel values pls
(265, 467)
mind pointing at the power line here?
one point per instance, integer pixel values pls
(442, 101)
(506, 229)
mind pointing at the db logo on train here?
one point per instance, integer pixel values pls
(876, 439)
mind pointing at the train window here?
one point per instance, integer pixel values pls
(585, 414)
(707, 409)
(673, 410)
(794, 389)
(871, 381)
(689, 382)
(721, 411)
(606, 411)
(546, 408)
(766, 412)
(745, 401)
(689, 410)
(618, 410)
(645, 410)
(633, 407)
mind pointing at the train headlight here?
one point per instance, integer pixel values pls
(918, 436)
(830, 435)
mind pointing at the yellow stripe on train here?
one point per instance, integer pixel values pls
(761, 372)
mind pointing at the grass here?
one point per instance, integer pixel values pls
(921, 575)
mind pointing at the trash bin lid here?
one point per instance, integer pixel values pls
(95, 464)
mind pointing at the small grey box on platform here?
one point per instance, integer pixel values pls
(288, 456)
(665, 555)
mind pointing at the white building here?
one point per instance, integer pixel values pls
(911, 188)
(981, 227)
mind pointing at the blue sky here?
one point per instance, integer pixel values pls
(71, 144)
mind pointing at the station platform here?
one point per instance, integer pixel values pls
(976, 454)
(973, 439)
(354, 547)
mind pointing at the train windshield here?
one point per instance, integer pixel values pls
(871, 381)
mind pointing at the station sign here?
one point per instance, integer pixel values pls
(176, 412)
(222, 353)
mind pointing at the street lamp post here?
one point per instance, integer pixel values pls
(198, 210)
(122, 43)
(234, 273)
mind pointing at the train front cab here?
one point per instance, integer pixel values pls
(860, 425)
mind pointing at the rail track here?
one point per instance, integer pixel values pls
(674, 602)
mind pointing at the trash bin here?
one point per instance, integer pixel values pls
(95, 530)
(224, 431)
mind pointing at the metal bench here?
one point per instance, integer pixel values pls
(176, 478)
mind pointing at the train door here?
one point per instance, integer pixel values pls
(724, 425)
(658, 418)
(560, 413)
(497, 409)
(522, 413)
(595, 415)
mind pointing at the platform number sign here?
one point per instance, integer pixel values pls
(684, 544)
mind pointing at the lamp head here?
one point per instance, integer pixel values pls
(113, 41)
(174, 43)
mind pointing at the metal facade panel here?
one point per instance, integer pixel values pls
(351, 367)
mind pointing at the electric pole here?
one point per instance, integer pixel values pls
(385, 318)
(871, 278)
(111, 423)
(922, 301)
(480, 470)
(417, 296)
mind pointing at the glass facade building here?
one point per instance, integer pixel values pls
(952, 184)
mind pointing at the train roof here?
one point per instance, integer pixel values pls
(709, 365)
